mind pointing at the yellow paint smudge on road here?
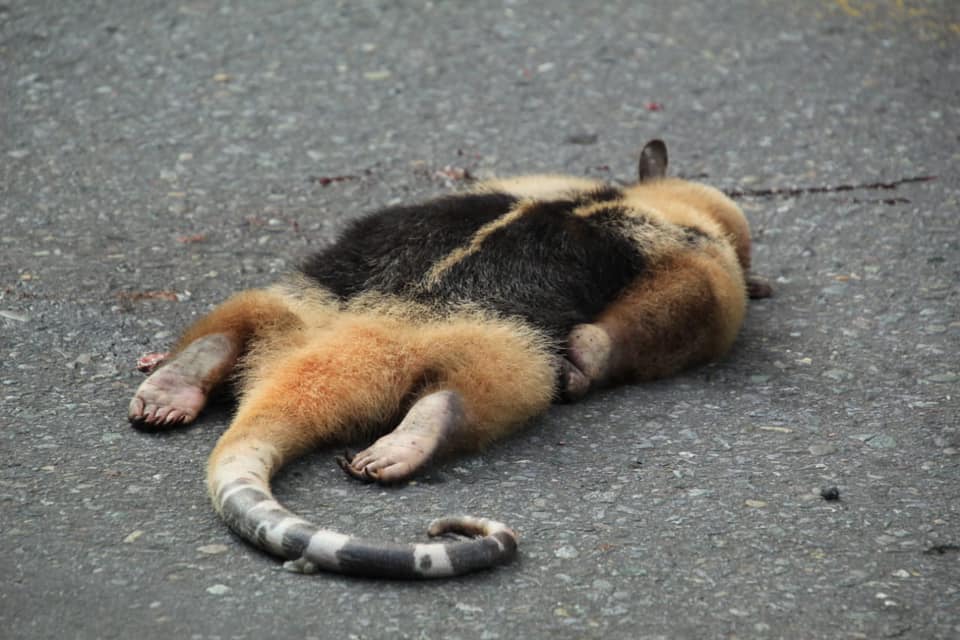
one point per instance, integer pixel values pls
(850, 11)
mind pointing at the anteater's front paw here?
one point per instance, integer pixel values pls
(590, 350)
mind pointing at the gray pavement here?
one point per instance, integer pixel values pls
(157, 156)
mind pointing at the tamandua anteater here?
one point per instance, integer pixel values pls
(440, 327)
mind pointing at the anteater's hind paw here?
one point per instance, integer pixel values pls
(393, 458)
(423, 433)
(177, 391)
(165, 399)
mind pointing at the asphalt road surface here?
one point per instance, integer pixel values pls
(157, 156)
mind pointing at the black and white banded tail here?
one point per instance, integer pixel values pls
(239, 484)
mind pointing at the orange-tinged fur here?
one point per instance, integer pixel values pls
(687, 312)
(692, 306)
(244, 315)
(349, 377)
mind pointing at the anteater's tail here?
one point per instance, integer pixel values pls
(239, 486)
(362, 371)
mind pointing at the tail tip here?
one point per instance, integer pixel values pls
(471, 527)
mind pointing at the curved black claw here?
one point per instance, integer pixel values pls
(758, 288)
(344, 462)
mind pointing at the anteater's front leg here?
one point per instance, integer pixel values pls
(684, 313)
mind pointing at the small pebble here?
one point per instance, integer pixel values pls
(882, 441)
(777, 429)
(835, 290)
(830, 494)
(566, 553)
(133, 536)
(944, 377)
(838, 375)
(212, 549)
(581, 138)
(822, 449)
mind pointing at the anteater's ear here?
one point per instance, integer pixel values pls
(653, 161)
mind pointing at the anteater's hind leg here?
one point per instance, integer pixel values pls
(205, 355)
(489, 377)
(351, 377)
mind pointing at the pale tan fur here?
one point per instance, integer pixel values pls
(458, 254)
(697, 205)
(539, 186)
